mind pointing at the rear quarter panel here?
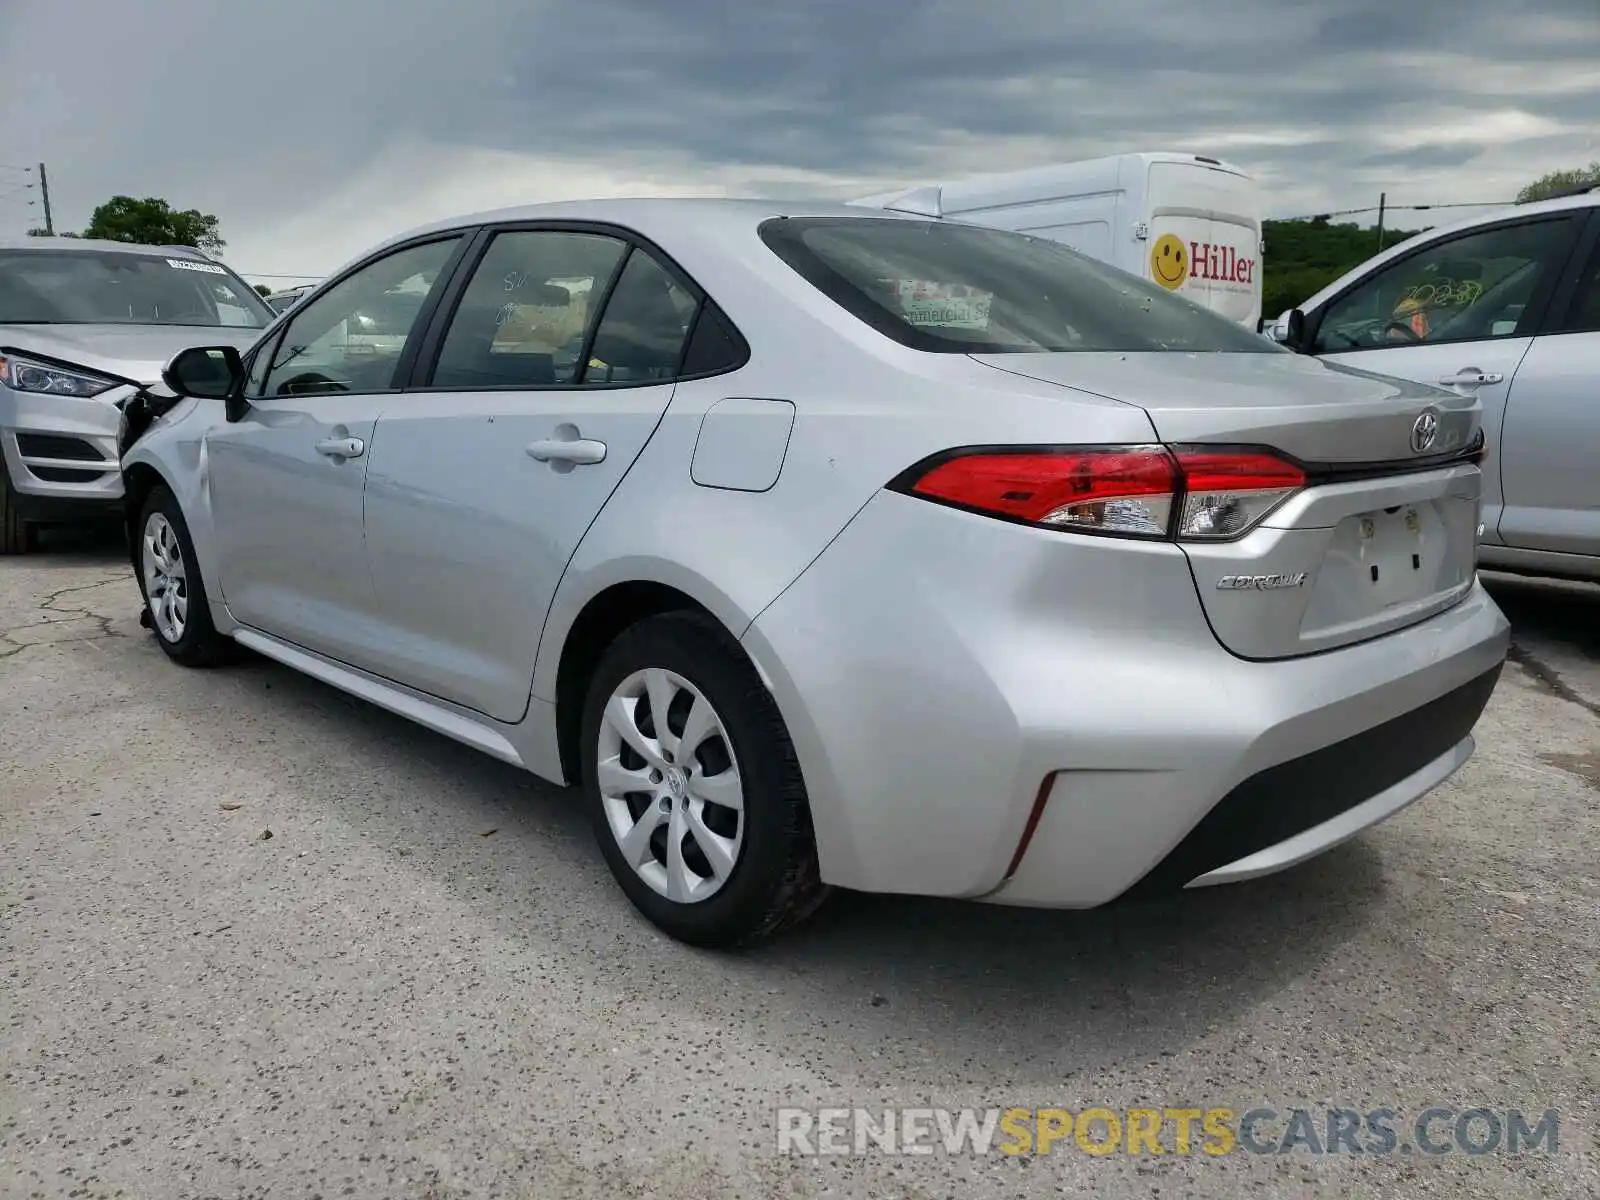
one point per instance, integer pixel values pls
(865, 409)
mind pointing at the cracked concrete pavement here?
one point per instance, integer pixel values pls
(425, 985)
(67, 614)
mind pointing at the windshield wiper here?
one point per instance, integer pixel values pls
(295, 353)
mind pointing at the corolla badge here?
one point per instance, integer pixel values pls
(1424, 431)
(1260, 583)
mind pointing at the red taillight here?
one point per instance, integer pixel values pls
(1130, 491)
(1247, 470)
(1123, 490)
(1227, 492)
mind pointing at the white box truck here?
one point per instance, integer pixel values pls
(1188, 223)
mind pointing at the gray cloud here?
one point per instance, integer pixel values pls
(257, 112)
(1426, 156)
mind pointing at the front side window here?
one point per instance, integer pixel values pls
(256, 379)
(117, 287)
(963, 289)
(522, 320)
(350, 338)
(1467, 288)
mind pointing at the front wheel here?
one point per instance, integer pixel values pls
(16, 535)
(174, 593)
(693, 787)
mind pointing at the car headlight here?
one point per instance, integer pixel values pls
(23, 375)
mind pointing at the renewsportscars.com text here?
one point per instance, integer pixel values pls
(1215, 1131)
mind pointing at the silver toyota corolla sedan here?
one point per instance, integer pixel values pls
(826, 548)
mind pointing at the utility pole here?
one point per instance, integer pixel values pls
(44, 190)
(1382, 199)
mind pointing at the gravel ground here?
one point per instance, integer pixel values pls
(424, 985)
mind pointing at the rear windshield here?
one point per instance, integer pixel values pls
(112, 287)
(963, 289)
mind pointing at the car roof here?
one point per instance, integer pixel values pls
(649, 215)
(682, 211)
(1511, 211)
(28, 242)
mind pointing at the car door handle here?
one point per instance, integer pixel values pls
(578, 451)
(345, 447)
(1471, 377)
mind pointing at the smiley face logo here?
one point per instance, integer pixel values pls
(1169, 261)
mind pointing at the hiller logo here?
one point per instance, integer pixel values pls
(1221, 263)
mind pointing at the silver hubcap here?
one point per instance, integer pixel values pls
(670, 785)
(166, 583)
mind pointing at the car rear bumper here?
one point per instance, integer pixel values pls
(959, 688)
(1294, 810)
(1326, 832)
(60, 453)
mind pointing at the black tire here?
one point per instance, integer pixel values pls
(774, 883)
(16, 535)
(200, 644)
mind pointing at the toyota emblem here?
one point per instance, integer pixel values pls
(1424, 430)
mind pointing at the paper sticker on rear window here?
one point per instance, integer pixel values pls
(943, 305)
(183, 264)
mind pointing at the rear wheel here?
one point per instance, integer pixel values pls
(693, 788)
(174, 593)
(16, 535)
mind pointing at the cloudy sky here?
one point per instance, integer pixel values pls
(313, 128)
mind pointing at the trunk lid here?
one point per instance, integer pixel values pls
(1317, 411)
(1382, 536)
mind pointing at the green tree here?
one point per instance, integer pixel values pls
(153, 222)
(1303, 257)
(263, 289)
(1556, 182)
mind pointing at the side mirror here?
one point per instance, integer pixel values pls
(205, 372)
(1289, 330)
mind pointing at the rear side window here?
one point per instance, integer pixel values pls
(963, 289)
(714, 346)
(522, 320)
(643, 328)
